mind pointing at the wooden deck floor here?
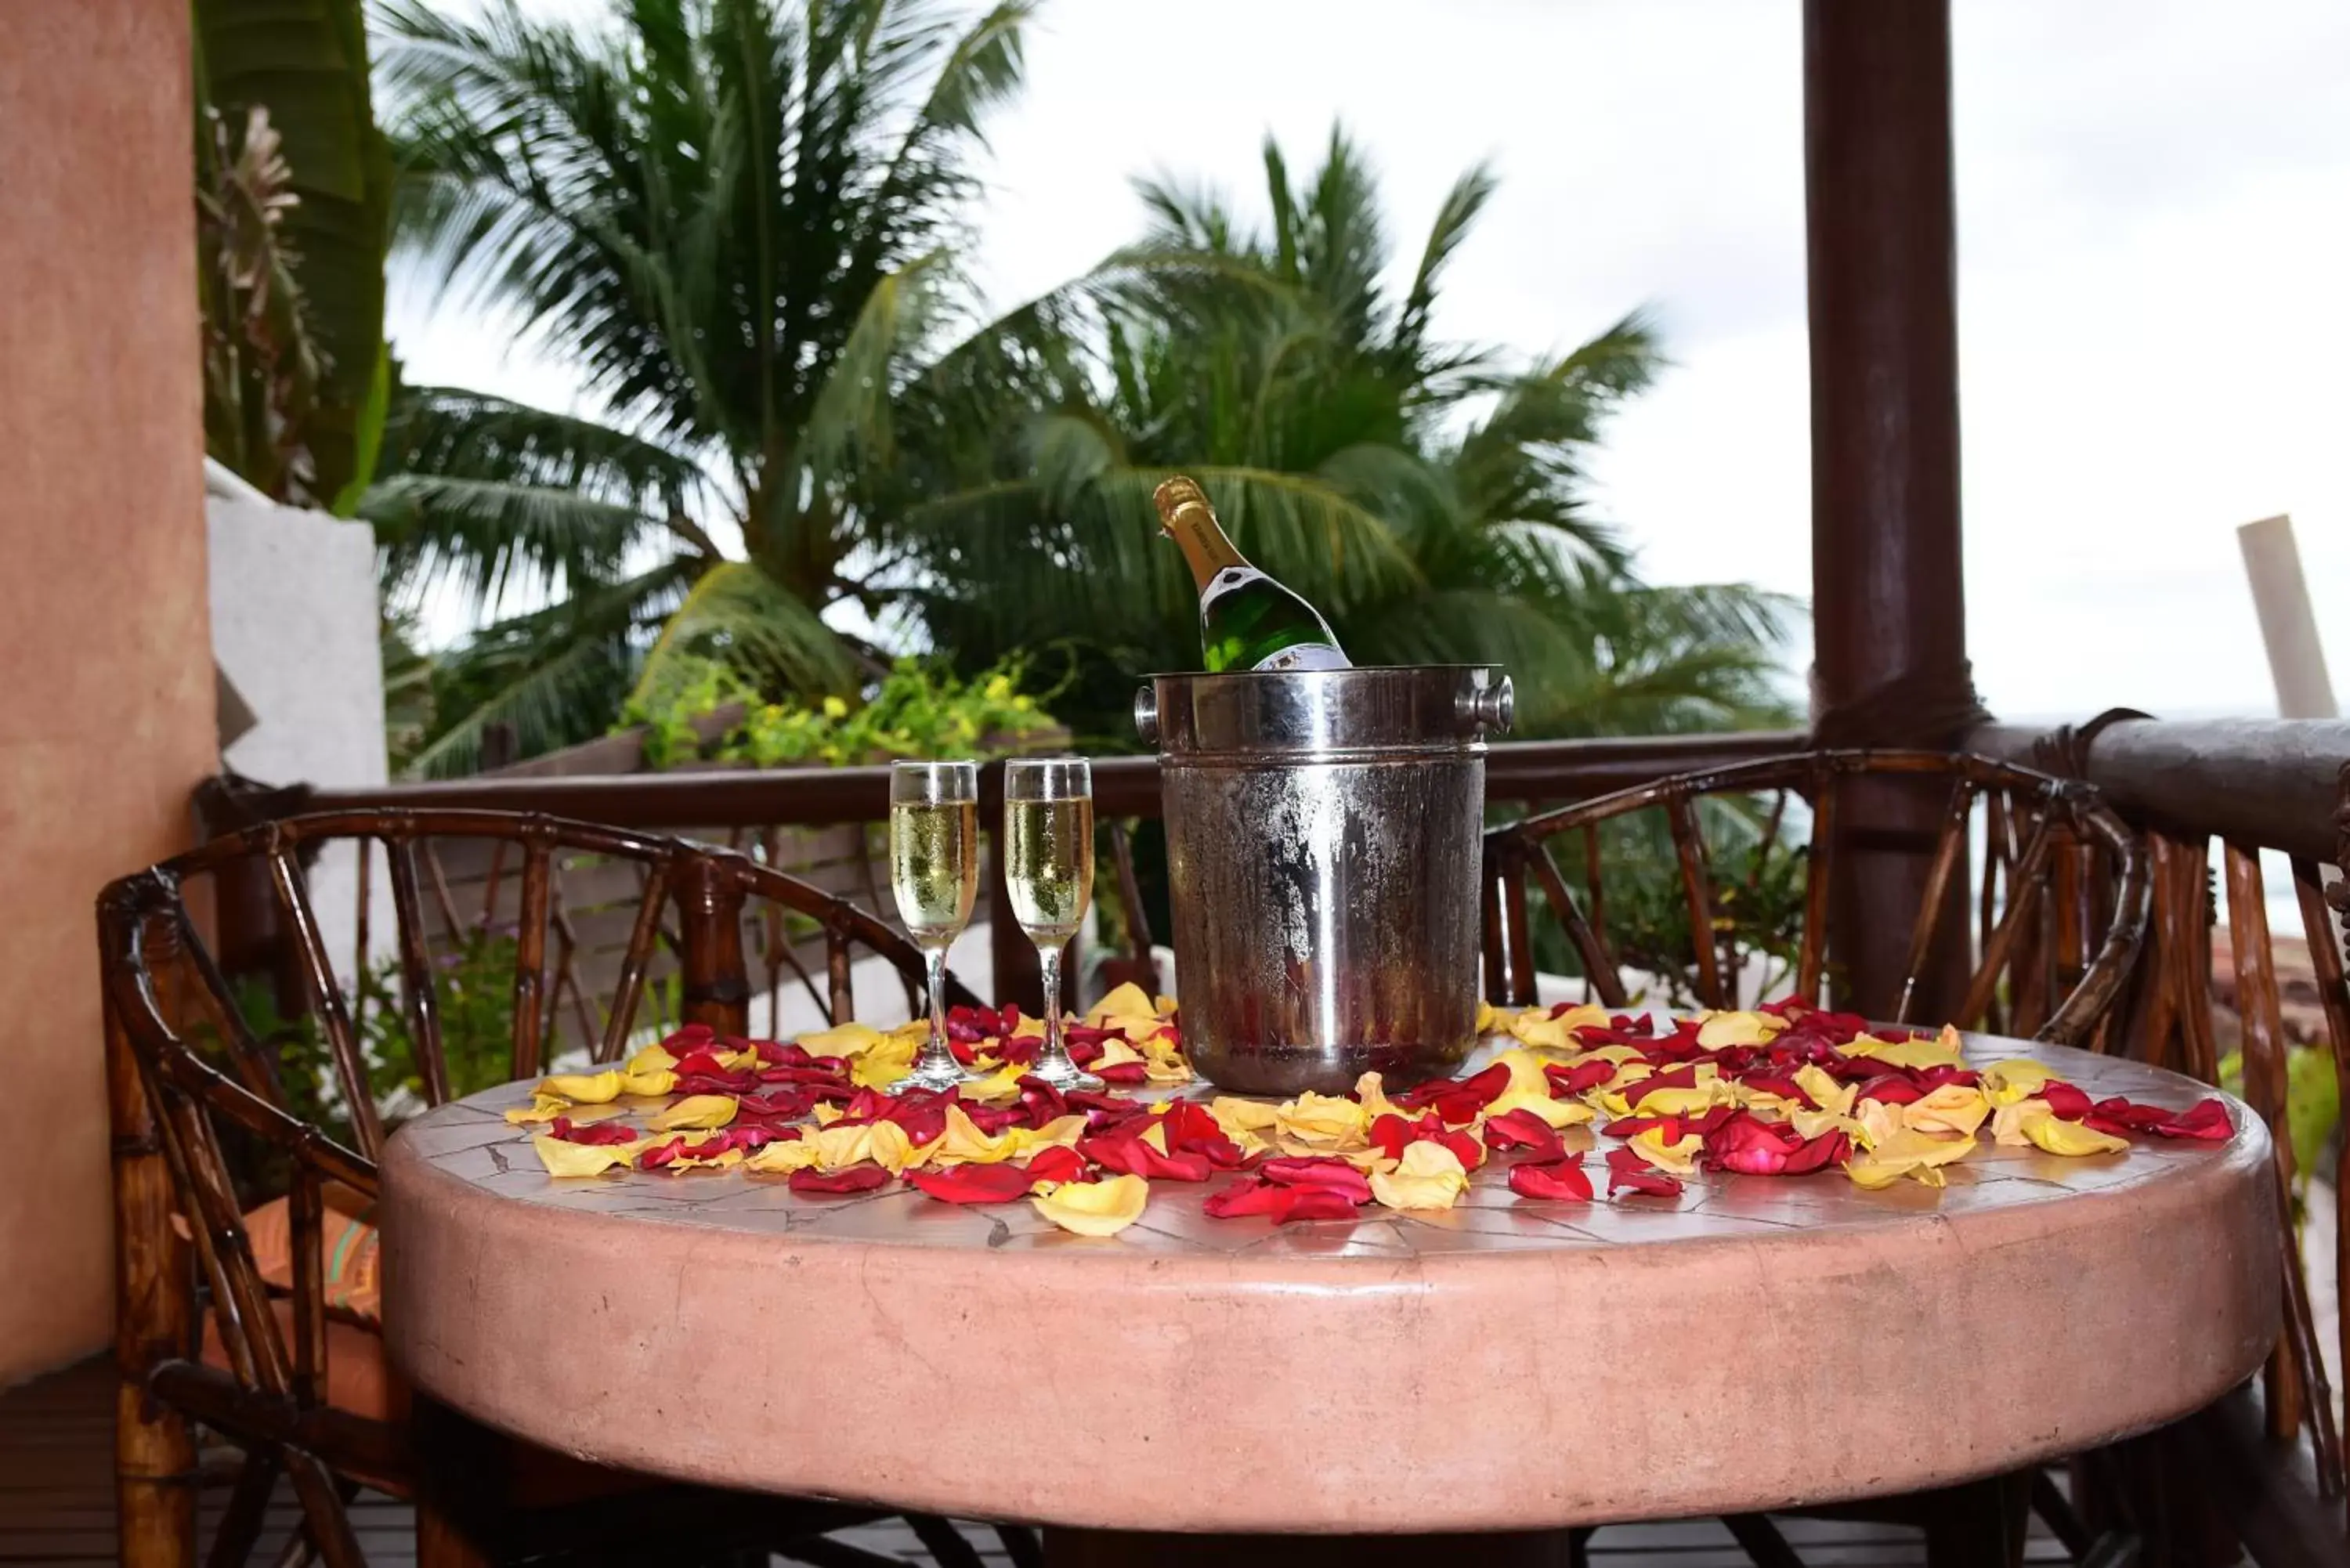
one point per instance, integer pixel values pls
(57, 1504)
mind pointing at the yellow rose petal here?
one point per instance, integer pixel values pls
(543, 1107)
(1526, 1070)
(999, 1085)
(1679, 1157)
(1908, 1152)
(1553, 1114)
(963, 1143)
(588, 1088)
(2035, 1122)
(1322, 1123)
(653, 1059)
(1954, 1110)
(844, 1040)
(779, 1159)
(695, 1111)
(1720, 1029)
(882, 1063)
(1095, 1208)
(1826, 1091)
(2015, 1079)
(1536, 1026)
(562, 1157)
(1126, 1001)
(1486, 1016)
(1428, 1177)
(651, 1083)
(1942, 1052)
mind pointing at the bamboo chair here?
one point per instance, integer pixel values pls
(2059, 916)
(2057, 924)
(299, 1384)
(2251, 1457)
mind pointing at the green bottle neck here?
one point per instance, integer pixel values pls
(1203, 544)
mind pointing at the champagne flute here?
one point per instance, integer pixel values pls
(1048, 869)
(934, 872)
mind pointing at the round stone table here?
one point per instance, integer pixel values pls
(1754, 1344)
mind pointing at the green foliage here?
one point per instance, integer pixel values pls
(731, 216)
(2313, 1102)
(738, 219)
(1426, 496)
(919, 710)
(474, 988)
(1756, 882)
(293, 203)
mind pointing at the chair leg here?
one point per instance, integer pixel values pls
(2057, 1512)
(154, 1450)
(944, 1541)
(154, 1482)
(247, 1511)
(1761, 1541)
(1979, 1525)
(449, 1512)
(1021, 1545)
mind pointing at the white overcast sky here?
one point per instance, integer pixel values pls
(2154, 256)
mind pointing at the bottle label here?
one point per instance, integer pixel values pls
(1304, 656)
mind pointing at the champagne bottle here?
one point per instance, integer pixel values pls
(1247, 621)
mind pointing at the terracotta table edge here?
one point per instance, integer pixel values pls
(867, 1455)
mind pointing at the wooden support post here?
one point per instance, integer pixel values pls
(716, 978)
(154, 1452)
(1888, 614)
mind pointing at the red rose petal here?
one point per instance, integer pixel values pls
(1523, 1129)
(1127, 1153)
(1627, 1172)
(855, 1178)
(1278, 1203)
(2068, 1102)
(1567, 1082)
(1330, 1175)
(976, 1183)
(1057, 1163)
(2207, 1120)
(1557, 1181)
(569, 1131)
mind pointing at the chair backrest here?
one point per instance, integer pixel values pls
(547, 903)
(200, 1087)
(2177, 1010)
(2060, 910)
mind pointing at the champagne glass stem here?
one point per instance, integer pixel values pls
(1053, 1063)
(1049, 959)
(937, 1055)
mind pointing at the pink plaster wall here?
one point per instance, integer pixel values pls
(106, 696)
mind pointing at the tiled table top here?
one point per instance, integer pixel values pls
(1755, 1341)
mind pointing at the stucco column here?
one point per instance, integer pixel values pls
(106, 715)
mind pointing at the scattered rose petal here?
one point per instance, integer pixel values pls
(831, 1183)
(1523, 1129)
(1627, 1172)
(1556, 1182)
(1095, 1208)
(976, 1183)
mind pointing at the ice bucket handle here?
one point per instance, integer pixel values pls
(1486, 707)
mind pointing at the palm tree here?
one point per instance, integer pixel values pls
(1426, 495)
(735, 216)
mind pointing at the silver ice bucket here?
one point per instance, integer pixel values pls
(1322, 850)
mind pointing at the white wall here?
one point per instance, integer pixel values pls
(295, 627)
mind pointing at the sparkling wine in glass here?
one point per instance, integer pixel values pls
(1048, 870)
(934, 872)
